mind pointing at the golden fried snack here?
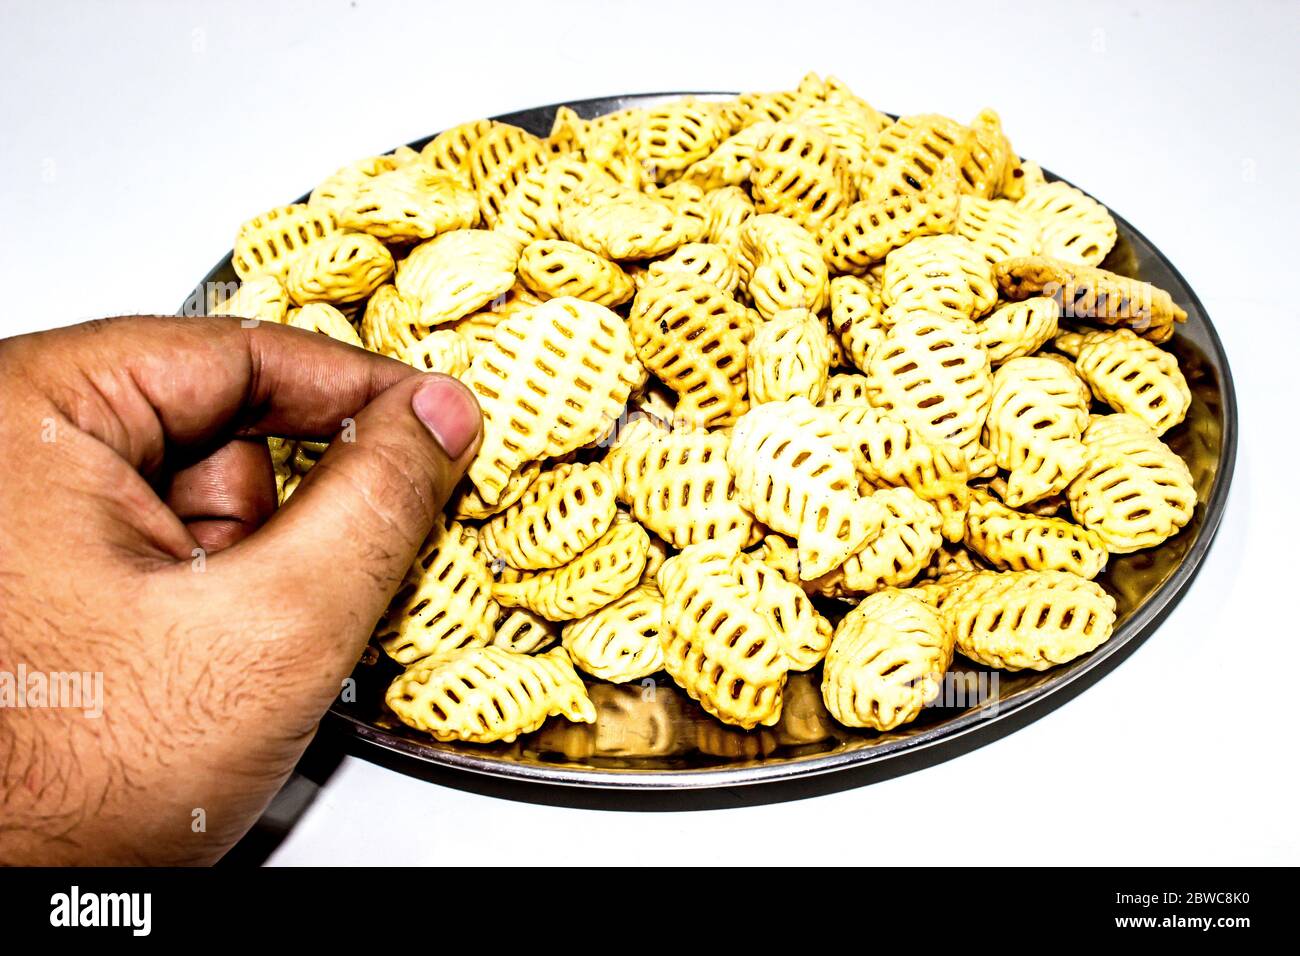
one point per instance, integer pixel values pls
(1093, 295)
(694, 337)
(553, 379)
(1133, 491)
(866, 231)
(886, 662)
(1014, 541)
(1019, 328)
(390, 323)
(933, 374)
(1073, 227)
(449, 151)
(678, 485)
(467, 504)
(998, 228)
(336, 192)
(781, 266)
(852, 126)
(445, 604)
(717, 646)
(619, 223)
(554, 267)
(799, 174)
(339, 268)
(325, 319)
(895, 557)
(410, 203)
(443, 350)
(705, 260)
(270, 243)
(910, 153)
(603, 573)
(497, 161)
(669, 138)
(731, 163)
(456, 273)
(1018, 620)
(728, 209)
(557, 518)
(1037, 414)
(261, 297)
(620, 642)
(845, 388)
(523, 632)
(531, 210)
(485, 694)
(789, 357)
(1130, 375)
(856, 318)
(794, 470)
(944, 276)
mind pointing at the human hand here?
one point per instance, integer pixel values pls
(140, 541)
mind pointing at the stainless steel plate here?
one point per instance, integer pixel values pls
(651, 736)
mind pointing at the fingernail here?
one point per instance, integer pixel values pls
(449, 411)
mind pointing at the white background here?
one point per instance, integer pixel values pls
(138, 135)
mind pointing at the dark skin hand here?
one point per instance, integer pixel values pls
(141, 540)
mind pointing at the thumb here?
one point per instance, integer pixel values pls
(340, 547)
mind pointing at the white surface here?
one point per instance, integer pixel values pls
(138, 136)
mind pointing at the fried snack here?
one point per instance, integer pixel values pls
(262, 298)
(270, 243)
(695, 338)
(717, 646)
(1012, 541)
(852, 126)
(886, 662)
(454, 274)
(944, 276)
(998, 228)
(1133, 491)
(442, 350)
(467, 504)
(390, 323)
(1130, 375)
(449, 151)
(705, 260)
(911, 152)
(671, 137)
(856, 319)
(619, 223)
(799, 174)
(789, 357)
(339, 268)
(908, 539)
(932, 373)
(335, 193)
(781, 266)
(620, 642)
(845, 388)
(497, 161)
(553, 379)
(678, 485)
(485, 694)
(892, 454)
(1018, 620)
(410, 203)
(1037, 414)
(557, 518)
(603, 573)
(554, 267)
(531, 210)
(1019, 328)
(731, 163)
(1073, 227)
(728, 209)
(445, 604)
(794, 470)
(523, 632)
(1093, 295)
(325, 319)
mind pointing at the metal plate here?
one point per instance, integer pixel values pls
(651, 736)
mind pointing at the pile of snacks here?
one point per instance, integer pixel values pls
(741, 361)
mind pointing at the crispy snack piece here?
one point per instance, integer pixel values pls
(669, 138)
(910, 153)
(781, 266)
(336, 192)
(943, 276)
(887, 661)
(705, 260)
(557, 518)
(620, 642)
(856, 319)
(1092, 295)
(449, 152)
(603, 573)
(1073, 227)
(485, 694)
(1018, 620)
(798, 173)
(531, 210)
(852, 126)
(1037, 414)
(1014, 541)
(619, 222)
(998, 228)
(845, 388)
(1130, 375)
(894, 558)
(732, 162)
(523, 632)
(794, 469)
(261, 297)
(695, 337)
(270, 243)
(789, 357)
(933, 374)
(678, 485)
(445, 603)
(390, 322)
(728, 209)
(497, 161)
(467, 504)
(456, 273)
(339, 268)
(1133, 491)
(718, 647)
(443, 350)
(410, 203)
(554, 267)
(1019, 328)
(325, 319)
(553, 379)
